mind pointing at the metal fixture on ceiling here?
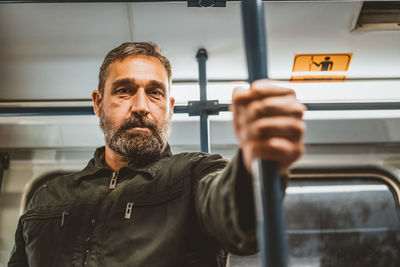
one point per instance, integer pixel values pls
(377, 16)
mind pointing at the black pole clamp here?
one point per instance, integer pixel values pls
(209, 107)
(202, 53)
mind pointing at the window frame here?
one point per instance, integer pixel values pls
(385, 175)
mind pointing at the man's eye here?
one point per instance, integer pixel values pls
(156, 92)
(122, 91)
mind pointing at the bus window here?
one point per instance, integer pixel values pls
(343, 220)
(337, 218)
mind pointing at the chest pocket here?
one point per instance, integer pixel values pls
(44, 231)
(141, 209)
(132, 205)
(146, 221)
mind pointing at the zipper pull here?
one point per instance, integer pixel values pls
(128, 211)
(113, 181)
(63, 217)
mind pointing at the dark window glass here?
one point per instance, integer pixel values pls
(342, 222)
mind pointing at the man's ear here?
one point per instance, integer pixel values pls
(171, 106)
(96, 97)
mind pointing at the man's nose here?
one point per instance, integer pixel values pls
(139, 103)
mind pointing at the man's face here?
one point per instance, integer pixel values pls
(135, 109)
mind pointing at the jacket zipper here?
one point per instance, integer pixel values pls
(64, 213)
(86, 257)
(112, 185)
(128, 210)
(48, 216)
(87, 243)
(113, 181)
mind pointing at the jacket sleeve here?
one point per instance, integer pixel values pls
(18, 255)
(225, 204)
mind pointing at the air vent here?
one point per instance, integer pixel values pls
(377, 16)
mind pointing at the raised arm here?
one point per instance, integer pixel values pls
(268, 124)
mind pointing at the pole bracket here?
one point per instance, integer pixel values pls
(209, 107)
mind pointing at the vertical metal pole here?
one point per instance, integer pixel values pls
(202, 57)
(267, 188)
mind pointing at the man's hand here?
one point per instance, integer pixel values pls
(268, 124)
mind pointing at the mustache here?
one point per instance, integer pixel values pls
(138, 121)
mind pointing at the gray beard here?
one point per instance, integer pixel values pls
(137, 147)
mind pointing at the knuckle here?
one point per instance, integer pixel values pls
(258, 128)
(258, 132)
(303, 126)
(259, 84)
(271, 145)
(299, 111)
(269, 104)
(297, 151)
(291, 92)
(300, 126)
(254, 108)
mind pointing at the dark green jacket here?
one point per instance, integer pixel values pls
(181, 210)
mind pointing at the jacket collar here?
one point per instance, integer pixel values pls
(97, 164)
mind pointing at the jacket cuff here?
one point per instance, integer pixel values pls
(243, 215)
(243, 200)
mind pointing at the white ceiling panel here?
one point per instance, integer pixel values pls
(61, 30)
(181, 31)
(54, 51)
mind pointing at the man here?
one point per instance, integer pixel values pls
(136, 204)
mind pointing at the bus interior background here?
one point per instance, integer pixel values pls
(342, 203)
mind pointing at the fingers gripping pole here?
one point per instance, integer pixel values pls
(267, 187)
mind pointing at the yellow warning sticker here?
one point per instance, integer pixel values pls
(321, 62)
(315, 78)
